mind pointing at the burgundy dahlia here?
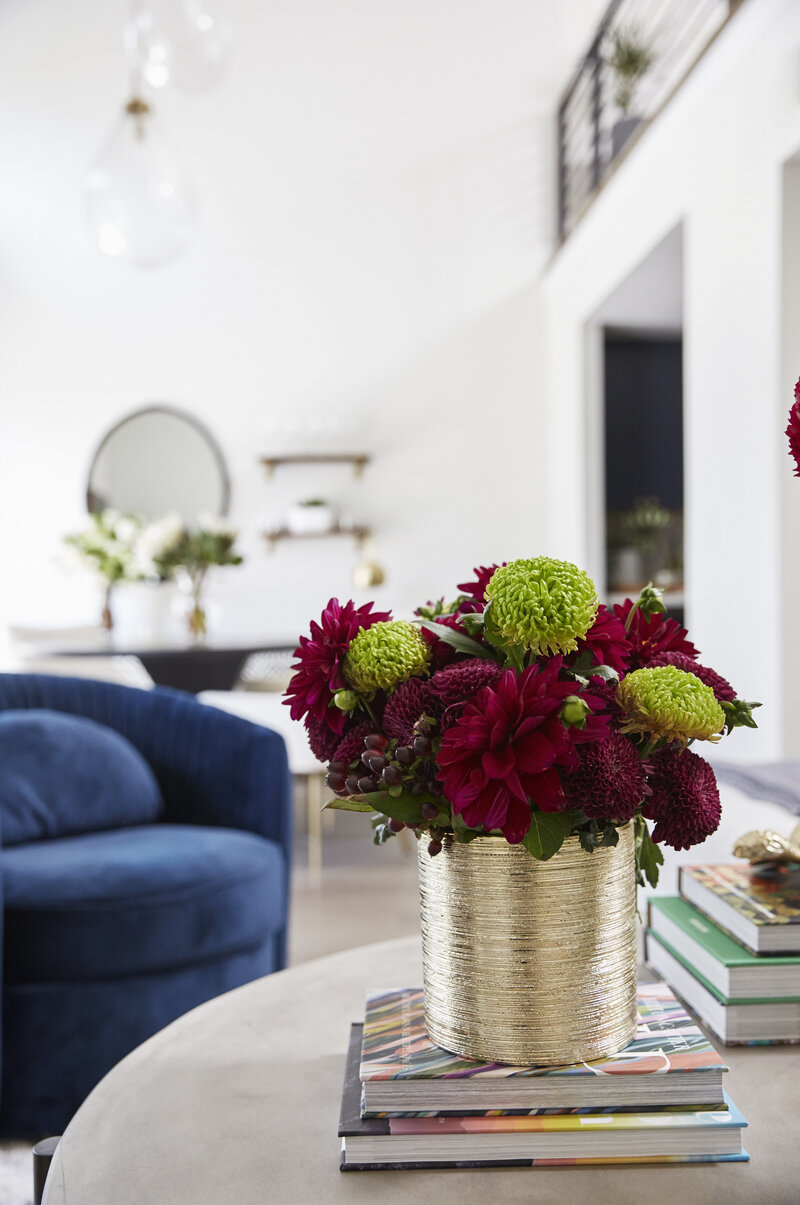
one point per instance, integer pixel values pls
(318, 669)
(607, 641)
(405, 706)
(477, 590)
(650, 635)
(351, 747)
(685, 799)
(720, 686)
(610, 781)
(322, 740)
(793, 430)
(503, 753)
(457, 683)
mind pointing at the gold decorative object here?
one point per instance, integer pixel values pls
(765, 845)
(527, 961)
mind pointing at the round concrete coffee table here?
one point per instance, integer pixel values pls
(237, 1103)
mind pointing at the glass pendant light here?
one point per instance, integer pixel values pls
(140, 207)
(180, 42)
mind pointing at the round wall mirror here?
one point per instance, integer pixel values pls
(157, 461)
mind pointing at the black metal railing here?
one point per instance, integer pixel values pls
(641, 53)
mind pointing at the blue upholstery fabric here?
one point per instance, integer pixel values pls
(137, 900)
(64, 1037)
(65, 774)
(99, 954)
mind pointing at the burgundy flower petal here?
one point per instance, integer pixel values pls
(609, 781)
(477, 589)
(507, 749)
(652, 635)
(517, 822)
(318, 668)
(535, 753)
(607, 641)
(685, 800)
(496, 763)
(793, 430)
(548, 793)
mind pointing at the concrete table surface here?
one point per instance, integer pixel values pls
(237, 1103)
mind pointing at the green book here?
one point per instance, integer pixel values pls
(729, 969)
(735, 1022)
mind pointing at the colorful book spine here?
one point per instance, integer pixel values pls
(468, 1164)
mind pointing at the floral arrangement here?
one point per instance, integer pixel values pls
(793, 430)
(524, 708)
(108, 546)
(187, 553)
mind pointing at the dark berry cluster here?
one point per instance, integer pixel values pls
(386, 765)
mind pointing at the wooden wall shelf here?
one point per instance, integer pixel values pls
(356, 532)
(359, 460)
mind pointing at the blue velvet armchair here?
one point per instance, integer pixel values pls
(109, 935)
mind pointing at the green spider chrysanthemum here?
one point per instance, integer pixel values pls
(543, 604)
(667, 702)
(383, 656)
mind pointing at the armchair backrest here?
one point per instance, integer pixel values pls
(212, 768)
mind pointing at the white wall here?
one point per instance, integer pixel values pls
(374, 183)
(712, 160)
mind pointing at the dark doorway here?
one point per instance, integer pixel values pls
(643, 385)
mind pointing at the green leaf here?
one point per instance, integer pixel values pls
(648, 855)
(473, 623)
(606, 673)
(548, 832)
(582, 665)
(585, 667)
(457, 640)
(738, 714)
(348, 804)
(461, 832)
(515, 656)
(403, 807)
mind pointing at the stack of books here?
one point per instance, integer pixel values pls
(409, 1104)
(730, 948)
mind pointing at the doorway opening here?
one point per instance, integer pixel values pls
(640, 491)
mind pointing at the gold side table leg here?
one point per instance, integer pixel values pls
(314, 807)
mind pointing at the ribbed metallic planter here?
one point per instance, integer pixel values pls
(526, 961)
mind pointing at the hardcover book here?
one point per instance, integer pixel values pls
(671, 1135)
(731, 970)
(669, 1062)
(735, 1022)
(761, 911)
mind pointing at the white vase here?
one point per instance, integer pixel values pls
(142, 613)
(310, 520)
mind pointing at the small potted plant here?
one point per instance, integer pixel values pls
(188, 557)
(629, 62)
(108, 547)
(312, 517)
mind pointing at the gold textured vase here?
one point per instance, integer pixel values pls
(527, 961)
